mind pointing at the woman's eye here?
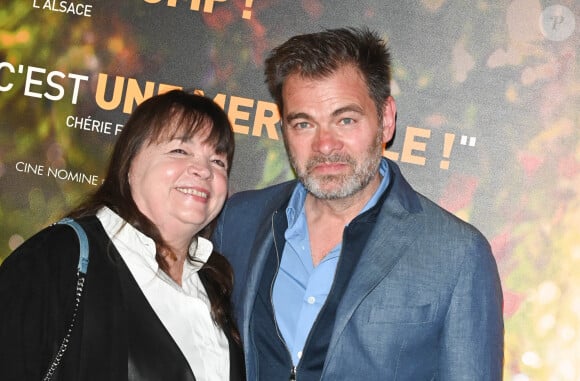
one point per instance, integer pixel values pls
(219, 163)
(179, 151)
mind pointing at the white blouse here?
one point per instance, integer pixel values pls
(185, 310)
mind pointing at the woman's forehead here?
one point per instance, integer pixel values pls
(184, 129)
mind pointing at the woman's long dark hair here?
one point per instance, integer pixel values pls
(164, 117)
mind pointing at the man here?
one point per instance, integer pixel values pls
(348, 273)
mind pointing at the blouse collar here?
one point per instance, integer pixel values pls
(128, 236)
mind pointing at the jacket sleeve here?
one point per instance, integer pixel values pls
(217, 233)
(473, 334)
(37, 289)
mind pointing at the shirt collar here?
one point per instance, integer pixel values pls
(296, 203)
(386, 174)
(125, 235)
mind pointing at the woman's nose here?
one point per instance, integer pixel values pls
(199, 169)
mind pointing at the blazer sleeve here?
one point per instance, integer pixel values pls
(473, 334)
(37, 290)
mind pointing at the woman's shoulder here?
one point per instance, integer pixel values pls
(54, 246)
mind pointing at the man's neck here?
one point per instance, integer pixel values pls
(326, 219)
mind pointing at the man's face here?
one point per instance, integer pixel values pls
(333, 134)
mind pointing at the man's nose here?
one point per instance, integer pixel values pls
(326, 141)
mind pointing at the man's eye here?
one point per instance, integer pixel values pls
(346, 121)
(301, 125)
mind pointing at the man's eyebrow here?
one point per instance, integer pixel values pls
(348, 108)
(298, 115)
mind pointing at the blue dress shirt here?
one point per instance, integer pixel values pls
(300, 289)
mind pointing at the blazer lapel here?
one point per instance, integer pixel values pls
(394, 231)
(153, 354)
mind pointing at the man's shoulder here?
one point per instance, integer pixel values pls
(437, 220)
(273, 193)
(438, 212)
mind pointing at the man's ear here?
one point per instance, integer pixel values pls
(389, 119)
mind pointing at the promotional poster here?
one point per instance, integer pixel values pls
(488, 121)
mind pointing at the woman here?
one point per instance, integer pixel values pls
(156, 300)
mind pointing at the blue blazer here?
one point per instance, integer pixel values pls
(424, 301)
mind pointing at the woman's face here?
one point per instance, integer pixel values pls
(180, 185)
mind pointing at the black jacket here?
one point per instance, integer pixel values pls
(117, 335)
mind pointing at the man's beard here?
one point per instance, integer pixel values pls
(345, 185)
